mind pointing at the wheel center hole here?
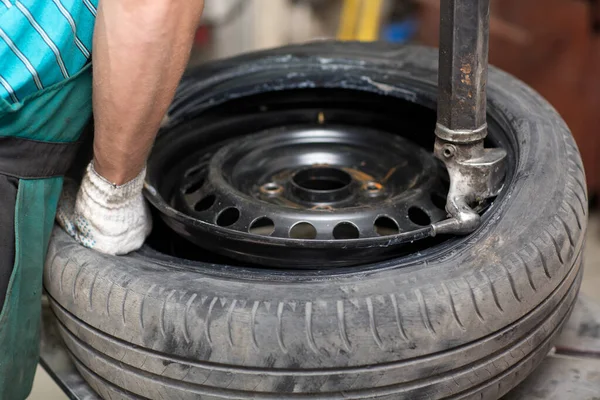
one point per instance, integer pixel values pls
(322, 179)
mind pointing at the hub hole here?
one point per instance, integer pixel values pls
(303, 230)
(345, 230)
(439, 201)
(263, 226)
(194, 186)
(205, 203)
(385, 226)
(418, 216)
(228, 217)
(322, 179)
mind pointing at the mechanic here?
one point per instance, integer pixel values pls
(47, 93)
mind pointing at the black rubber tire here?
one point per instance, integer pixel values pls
(468, 321)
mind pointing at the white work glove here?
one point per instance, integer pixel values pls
(104, 217)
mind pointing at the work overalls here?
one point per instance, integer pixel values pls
(37, 144)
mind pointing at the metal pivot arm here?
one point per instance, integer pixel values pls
(476, 173)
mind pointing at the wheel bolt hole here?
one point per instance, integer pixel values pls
(206, 203)
(228, 216)
(418, 216)
(373, 187)
(345, 230)
(271, 188)
(385, 226)
(303, 230)
(263, 226)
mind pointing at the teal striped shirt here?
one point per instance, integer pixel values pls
(42, 42)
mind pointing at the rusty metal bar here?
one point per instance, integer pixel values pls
(464, 37)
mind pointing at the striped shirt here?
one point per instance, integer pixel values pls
(42, 42)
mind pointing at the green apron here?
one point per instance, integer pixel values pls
(37, 139)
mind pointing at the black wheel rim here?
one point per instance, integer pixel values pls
(313, 183)
(294, 113)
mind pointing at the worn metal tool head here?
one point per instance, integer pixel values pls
(476, 173)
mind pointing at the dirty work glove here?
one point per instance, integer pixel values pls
(104, 217)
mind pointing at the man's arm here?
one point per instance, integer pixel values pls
(140, 50)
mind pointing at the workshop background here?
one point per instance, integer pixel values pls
(552, 45)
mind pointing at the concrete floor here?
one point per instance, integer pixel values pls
(45, 389)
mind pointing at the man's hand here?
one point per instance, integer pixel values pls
(110, 219)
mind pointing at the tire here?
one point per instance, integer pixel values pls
(469, 319)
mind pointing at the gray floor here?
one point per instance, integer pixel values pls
(45, 389)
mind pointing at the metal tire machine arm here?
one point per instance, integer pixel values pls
(476, 173)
